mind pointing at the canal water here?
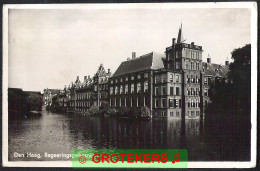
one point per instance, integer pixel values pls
(55, 133)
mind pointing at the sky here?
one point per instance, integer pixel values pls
(49, 48)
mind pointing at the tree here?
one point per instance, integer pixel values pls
(240, 74)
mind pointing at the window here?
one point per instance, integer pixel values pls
(177, 113)
(205, 92)
(177, 65)
(156, 103)
(171, 103)
(192, 66)
(126, 89)
(121, 89)
(197, 113)
(187, 78)
(171, 113)
(132, 102)
(187, 64)
(95, 88)
(171, 90)
(138, 87)
(156, 80)
(125, 101)
(116, 90)
(137, 101)
(111, 81)
(197, 66)
(205, 81)
(132, 77)
(120, 102)
(126, 78)
(115, 102)
(146, 86)
(163, 79)
(177, 91)
(177, 78)
(146, 75)
(163, 113)
(171, 77)
(139, 76)
(163, 103)
(116, 80)
(163, 90)
(145, 101)
(121, 80)
(132, 88)
(156, 91)
(187, 53)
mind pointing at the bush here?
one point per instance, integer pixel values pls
(112, 111)
(93, 110)
(145, 112)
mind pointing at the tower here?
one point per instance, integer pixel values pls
(186, 59)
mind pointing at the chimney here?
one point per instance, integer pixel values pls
(85, 78)
(108, 70)
(88, 76)
(192, 43)
(77, 77)
(128, 59)
(133, 55)
(227, 62)
(209, 60)
(173, 41)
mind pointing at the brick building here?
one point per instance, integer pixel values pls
(91, 92)
(174, 85)
(171, 85)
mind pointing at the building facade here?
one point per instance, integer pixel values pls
(174, 84)
(171, 85)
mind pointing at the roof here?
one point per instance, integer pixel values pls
(180, 35)
(53, 91)
(148, 61)
(211, 69)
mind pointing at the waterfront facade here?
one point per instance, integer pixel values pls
(174, 84)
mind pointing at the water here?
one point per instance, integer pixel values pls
(60, 133)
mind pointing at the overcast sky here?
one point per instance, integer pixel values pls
(49, 48)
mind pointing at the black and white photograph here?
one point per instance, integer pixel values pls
(130, 76)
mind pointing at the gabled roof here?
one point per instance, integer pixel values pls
(215, 69)
(148, 61)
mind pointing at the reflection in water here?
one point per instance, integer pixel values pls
(60, 133)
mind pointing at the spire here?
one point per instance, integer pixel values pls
(180, 35)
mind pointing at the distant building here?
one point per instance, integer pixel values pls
(92, 92)
(48, 94)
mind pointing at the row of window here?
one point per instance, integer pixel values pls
(139, 76)
(193, 113)
(162, 78)
(176, 115)
(193, 91)
(192, 54)
(192, 79)
(173, 103)
(123, 102)
(163, 91)
(123, 89)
